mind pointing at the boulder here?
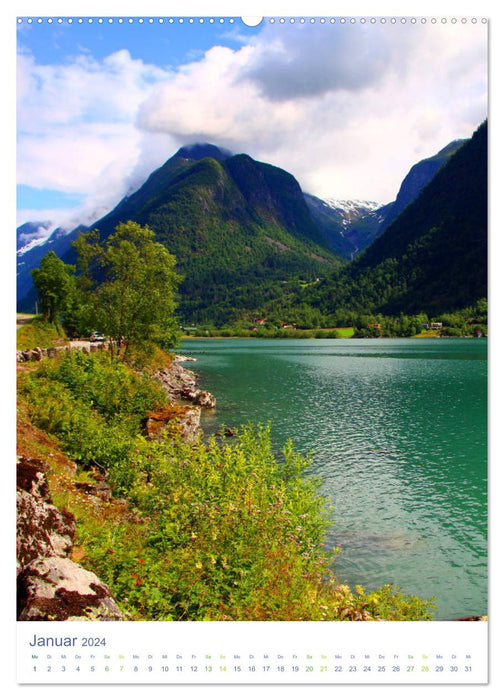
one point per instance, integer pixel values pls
(42, 530)
(177, 381)
(31, 477)
(190, 424)
(56, 588)
(188, 394)
(182, 384)
(178, 419)
(204, 399)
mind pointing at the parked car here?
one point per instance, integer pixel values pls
(97, 337)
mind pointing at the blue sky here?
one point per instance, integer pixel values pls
(346, 107)
(163, 41)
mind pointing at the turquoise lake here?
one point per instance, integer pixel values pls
(398, 433)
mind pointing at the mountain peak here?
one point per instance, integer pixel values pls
(451, 148)
(197, 151)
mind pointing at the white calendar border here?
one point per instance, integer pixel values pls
(295, 8)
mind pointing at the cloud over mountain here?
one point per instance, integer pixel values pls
(346, 108)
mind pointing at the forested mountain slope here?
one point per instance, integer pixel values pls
(433, 257)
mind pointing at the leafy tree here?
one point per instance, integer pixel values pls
(130, 283)
(55, 284)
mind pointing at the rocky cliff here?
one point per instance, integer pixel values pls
(50, 586)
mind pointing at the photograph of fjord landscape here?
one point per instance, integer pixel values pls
(252, 319)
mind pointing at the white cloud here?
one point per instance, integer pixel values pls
(347, 109)
(304, 61)
(71, 159)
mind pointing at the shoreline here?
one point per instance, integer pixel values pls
(314, 337)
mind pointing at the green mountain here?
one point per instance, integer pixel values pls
(248, 242)
(433, 256)
(237, 227)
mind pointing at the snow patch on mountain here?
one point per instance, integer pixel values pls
(352, 207)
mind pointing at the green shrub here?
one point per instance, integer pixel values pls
(74, 399)
(231, 533)
(105, 383)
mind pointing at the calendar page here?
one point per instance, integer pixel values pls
(251, 346)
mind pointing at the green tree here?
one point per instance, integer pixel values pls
(130, 283)
(55, 284)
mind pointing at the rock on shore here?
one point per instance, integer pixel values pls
(181, 384)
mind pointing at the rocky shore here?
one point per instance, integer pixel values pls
(181, 384)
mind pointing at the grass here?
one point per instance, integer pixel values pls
(428, 334)
(39, 333)
(342, 332)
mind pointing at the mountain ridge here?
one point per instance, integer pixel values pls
(417, 178)
(240, 228)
